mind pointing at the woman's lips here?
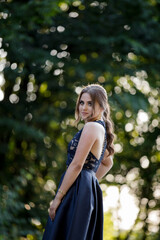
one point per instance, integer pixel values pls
(84, 113)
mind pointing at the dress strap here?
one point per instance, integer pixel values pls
(105, 139)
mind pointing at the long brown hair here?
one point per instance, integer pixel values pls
(98, 93)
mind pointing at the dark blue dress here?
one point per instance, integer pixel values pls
(80, 214)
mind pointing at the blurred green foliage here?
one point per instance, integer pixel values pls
(49, 49)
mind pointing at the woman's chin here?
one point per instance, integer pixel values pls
(84, 119)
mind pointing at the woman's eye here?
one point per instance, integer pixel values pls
(90, 104)
(81, 102)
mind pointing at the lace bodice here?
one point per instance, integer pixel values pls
(91, 161)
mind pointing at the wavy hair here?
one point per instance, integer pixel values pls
(98, 94)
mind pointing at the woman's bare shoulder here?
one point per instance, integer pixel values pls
(92, 124)
(92, 128)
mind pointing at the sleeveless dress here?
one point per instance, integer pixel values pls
(80, 214)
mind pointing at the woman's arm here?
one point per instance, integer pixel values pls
(88, 137)
(105, 165)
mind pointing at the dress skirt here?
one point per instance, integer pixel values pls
(80, 214)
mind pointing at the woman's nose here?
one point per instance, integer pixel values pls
(84, 106)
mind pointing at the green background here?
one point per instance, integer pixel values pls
(48, 49)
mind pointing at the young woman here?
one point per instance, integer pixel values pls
(76, 213)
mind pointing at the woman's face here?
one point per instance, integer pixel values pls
(86, 108)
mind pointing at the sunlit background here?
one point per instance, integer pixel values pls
(48, 50)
